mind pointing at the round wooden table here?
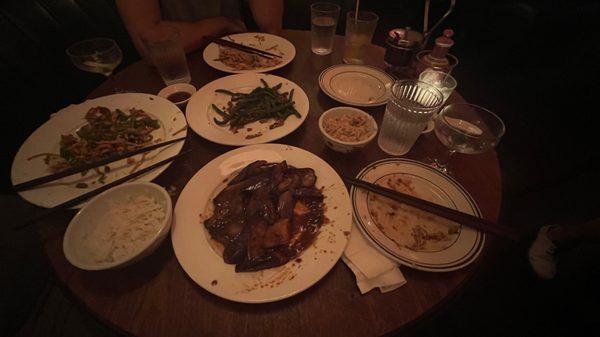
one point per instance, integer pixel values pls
(155, 297)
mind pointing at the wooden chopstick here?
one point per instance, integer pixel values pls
(42, 180)
(241, 47)
(448, 213)
(95, 192)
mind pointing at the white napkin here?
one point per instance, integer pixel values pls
(371, 268)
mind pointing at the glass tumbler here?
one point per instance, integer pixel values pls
(323, 18)
(163, 46)
(359, 32)
(407, 112)
(441, 80)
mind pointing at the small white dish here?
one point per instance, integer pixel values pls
(344, 146)
(357, 85)
(93, 216)
(175, 88)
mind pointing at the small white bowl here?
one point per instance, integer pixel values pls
(339, 145)
(91, 217)
(177, 87)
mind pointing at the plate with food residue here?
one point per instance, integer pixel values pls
(93, 129)
(246, 109)
(235, 61)
(409, 235)
(261, 223)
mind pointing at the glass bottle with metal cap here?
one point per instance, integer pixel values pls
(438, 58)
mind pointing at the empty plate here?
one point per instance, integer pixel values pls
(356, 84)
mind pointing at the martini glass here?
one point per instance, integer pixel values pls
(100, 55)
(467, 129)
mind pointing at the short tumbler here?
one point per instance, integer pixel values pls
(407, 112)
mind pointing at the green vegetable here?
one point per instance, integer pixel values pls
(261, 103)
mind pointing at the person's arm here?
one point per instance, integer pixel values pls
(268, 15)
(143, 15)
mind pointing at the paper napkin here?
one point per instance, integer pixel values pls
(371, 268)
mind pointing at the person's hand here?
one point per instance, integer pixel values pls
(236, 26)
(228, 25)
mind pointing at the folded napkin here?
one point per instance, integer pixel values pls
(371, 268)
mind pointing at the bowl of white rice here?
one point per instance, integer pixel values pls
(346, 129)
(119, 226)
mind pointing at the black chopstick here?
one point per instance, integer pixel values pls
(42, 180)
(95, 192)
(448, 213)
(241, 47)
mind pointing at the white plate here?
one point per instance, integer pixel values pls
(285, 47)
(207, 268)
(434, 186)
(356, 84)
(46, 139)
(200, 114)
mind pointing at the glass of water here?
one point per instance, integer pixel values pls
(164, 48)
(412, 104)
(441, 80)
(324, 18)
(466, 128)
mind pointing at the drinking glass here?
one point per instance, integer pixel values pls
(163, 46)
(323, 18)
(100, 55)
(359, 32)
(412, 104)
(466, 128)
(441, 80)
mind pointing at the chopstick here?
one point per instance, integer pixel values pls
(95, 192)
(448, 213)
(241, 47)
(42, 180)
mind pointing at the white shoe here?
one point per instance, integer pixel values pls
(542, 254)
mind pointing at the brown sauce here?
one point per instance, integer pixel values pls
(178, 96)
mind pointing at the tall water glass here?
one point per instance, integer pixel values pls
(407, 112)
(441, 80)
(163, 46)
(359, 32)
(323, 18)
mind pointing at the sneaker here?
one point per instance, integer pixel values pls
(542, 254)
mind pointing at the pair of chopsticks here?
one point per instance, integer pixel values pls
(448, 213)
(45, 179)
(95, 192)
(241, 47)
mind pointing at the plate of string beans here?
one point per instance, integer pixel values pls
(247, 109)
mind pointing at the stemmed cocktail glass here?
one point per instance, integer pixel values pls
(100, 55)
(466, 128)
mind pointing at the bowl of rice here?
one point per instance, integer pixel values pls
(119, 226)
(345, 129)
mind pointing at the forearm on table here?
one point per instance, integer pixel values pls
(193, 33)
(268, 15)
(142, 16)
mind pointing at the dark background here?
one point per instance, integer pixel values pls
(532, 62)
